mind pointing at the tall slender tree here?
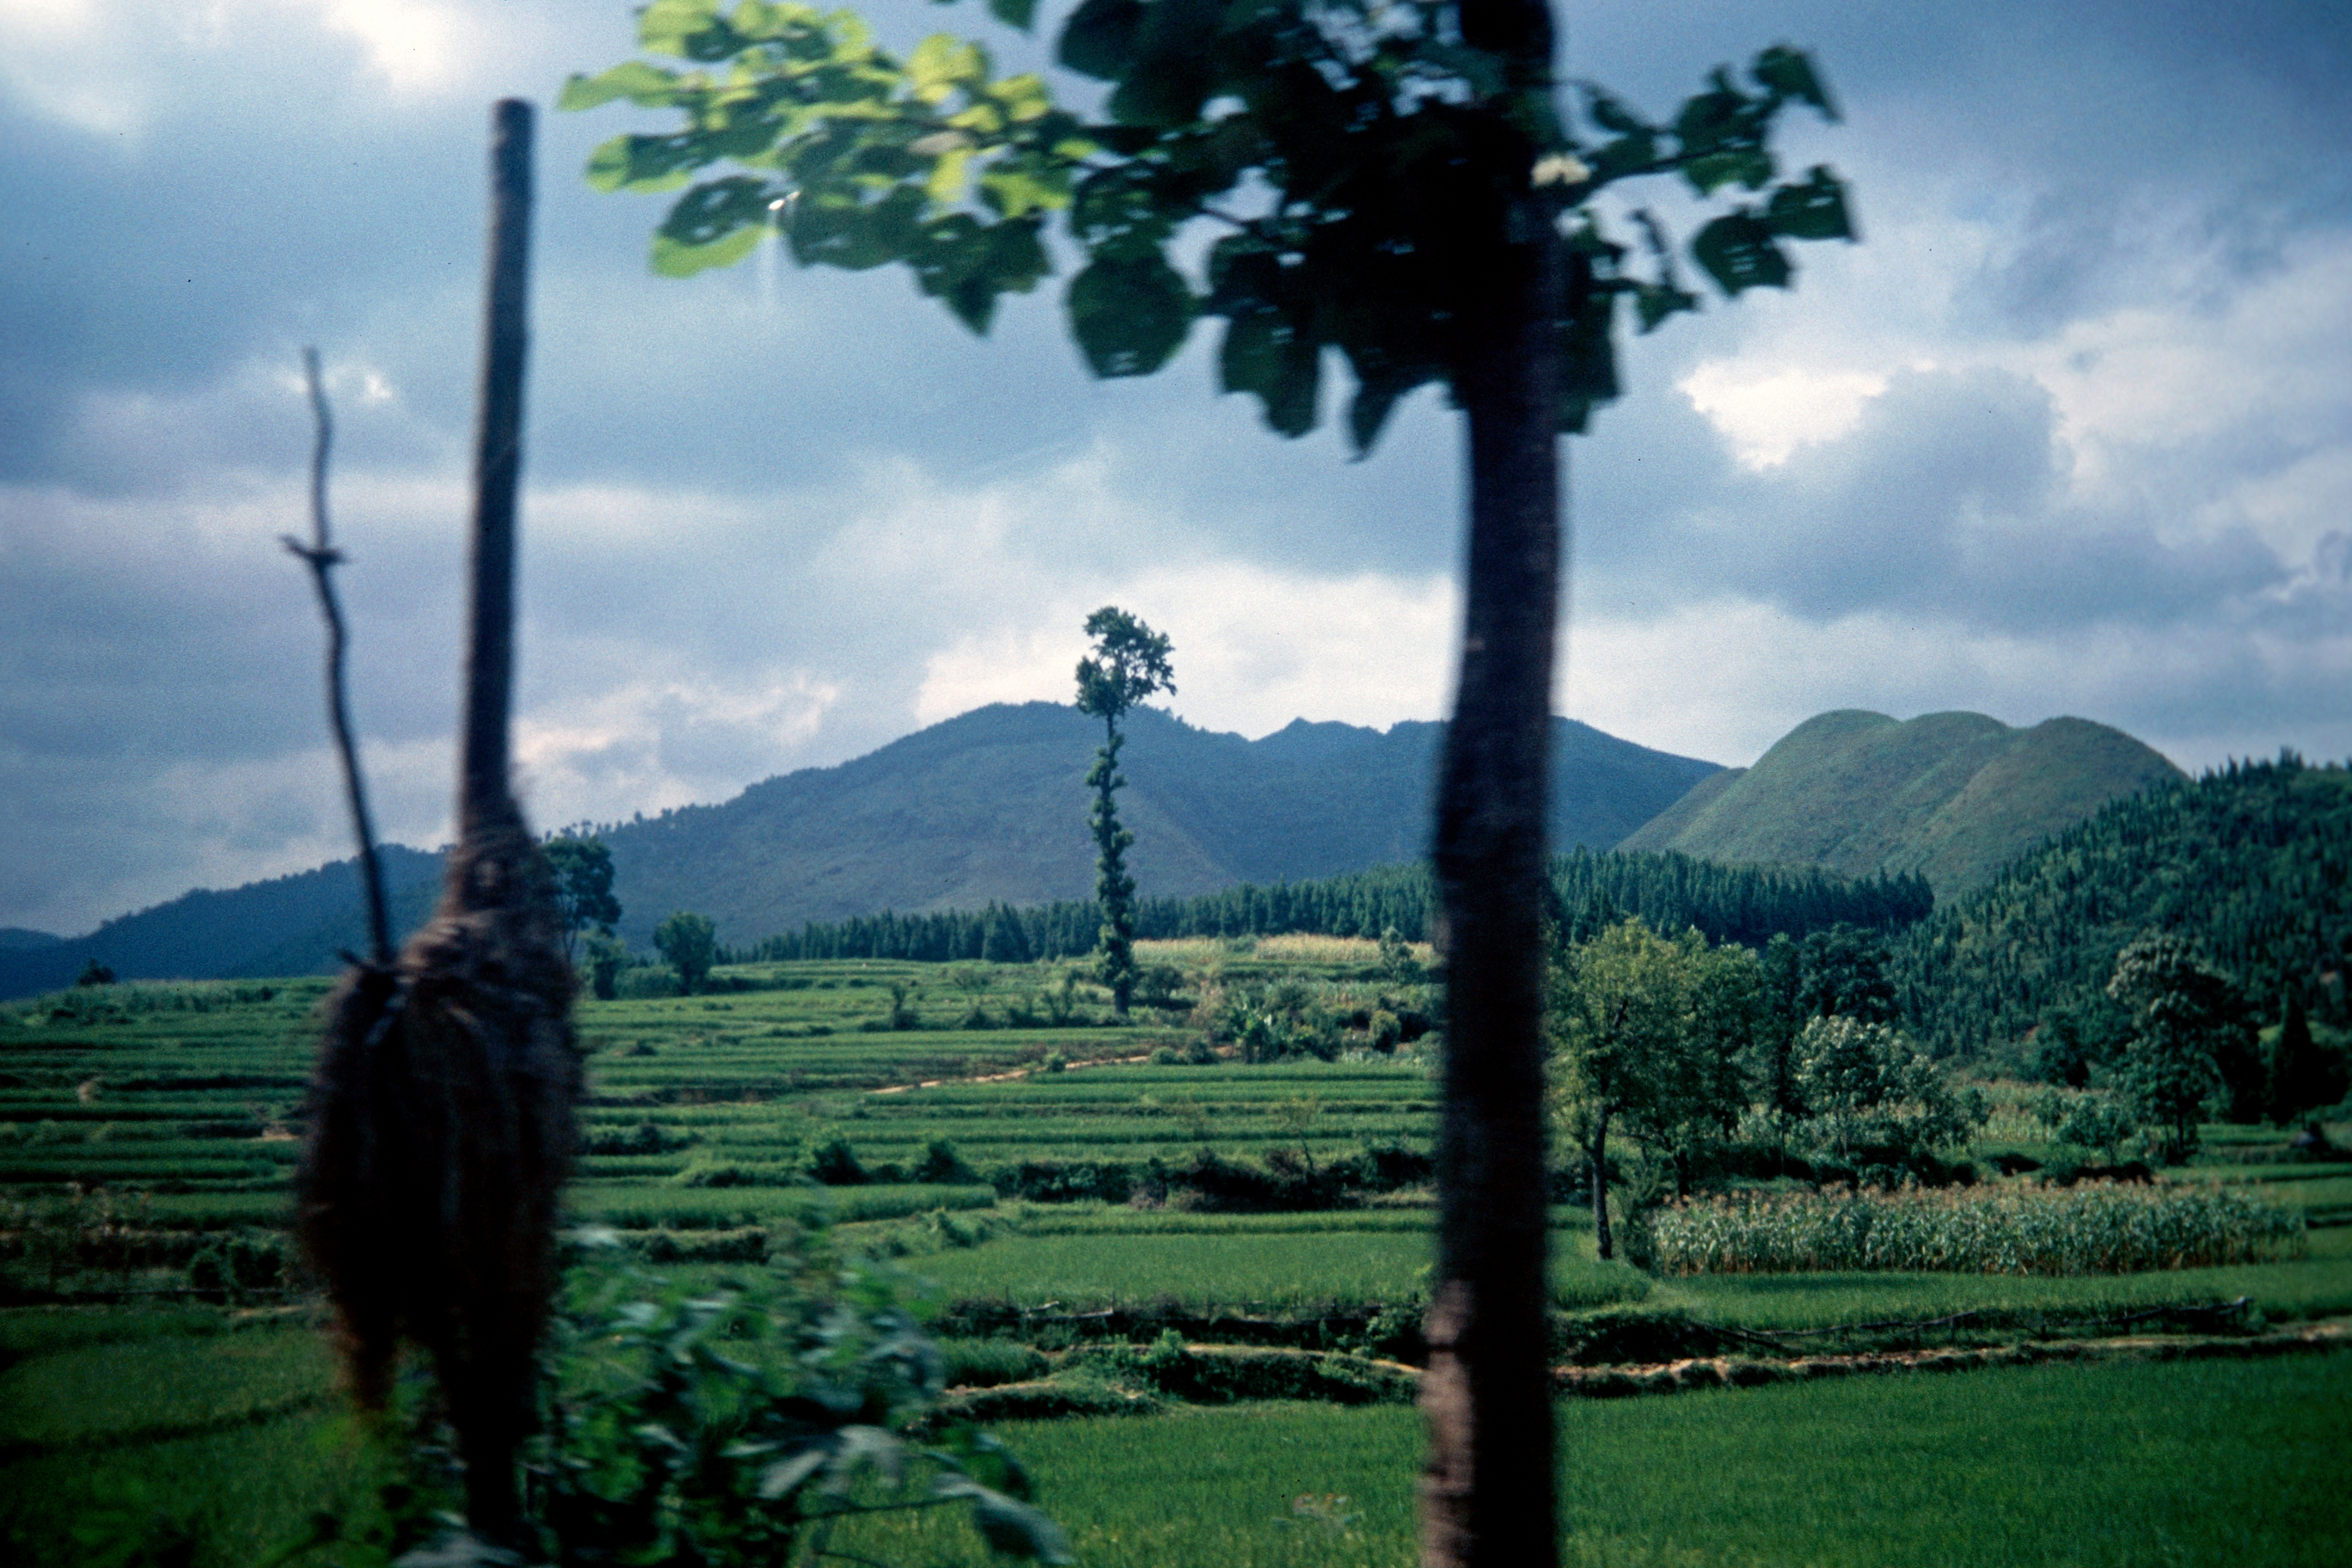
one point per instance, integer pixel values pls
(1129, 664)
(1397, 181)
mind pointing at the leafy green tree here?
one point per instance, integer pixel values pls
(2303, 1076)
(2185, 1015)
(1129, 663)
(606, 958)
(1843, 975)
(95, 974)
(1700, 1086)
(689, 942)
(1870, 1094)
(581, 870)
(1618, 1007)
(1395, 182)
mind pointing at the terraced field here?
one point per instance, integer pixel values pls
(161, 1355)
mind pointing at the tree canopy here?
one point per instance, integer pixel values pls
(1345, 150)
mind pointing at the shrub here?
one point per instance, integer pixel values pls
(942, 1166)
(835, 1164)
(719, 1424)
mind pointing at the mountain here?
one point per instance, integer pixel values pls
(986, 808)
(205, 933)
(2253, 864)
(1952, 796)
(19, 938)
(990, 807)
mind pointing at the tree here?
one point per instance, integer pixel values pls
(1618, 1007)
(582, 870)
(2302, 1076)
(690, 943)
(1870, 1094)
(1397, 183)
(2184, 1015)
(1129, 663)
(1843, 975)
(1700, 1088)
(95, 974)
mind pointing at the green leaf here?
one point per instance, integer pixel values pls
(1629, 155)
(1013, 13)
(1712, 118)
(1814, 210)
(690, 29)
(1098, 40)
(1653, 302)
(1369, 410)
(1738, 252)
(1749, 166)
(1791, 73)
(1263, 354)
(717, 208)
(1611, 115)
(649, 86)
(940, 64)
(1173, 67)
(1128, 315)
(643, 164)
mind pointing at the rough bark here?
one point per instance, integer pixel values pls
(1487, 1487)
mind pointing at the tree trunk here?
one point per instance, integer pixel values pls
(1487, 1486)
(1603, 1244)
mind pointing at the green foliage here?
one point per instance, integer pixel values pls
(1953, 797)
(1386, 147)
(1129, 664)
(1745, 904)
(690, 943)
(581, 869)
(2092, 1228)
(2190, 1027)
(606, 958)
(2251, 864)
(738, 1423)
(1649, 1031)
(1870, 1095)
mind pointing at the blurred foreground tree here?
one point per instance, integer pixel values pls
(1396, 181)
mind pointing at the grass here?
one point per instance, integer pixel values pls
(2122, 1465)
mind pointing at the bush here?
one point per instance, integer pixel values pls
(942, 1166)
(720, 1424)
(835, 1164)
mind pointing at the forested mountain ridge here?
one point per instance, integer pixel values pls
(1952, 796)
(2253, 864)
(1748, 904)
(284, 925)
(988, 807)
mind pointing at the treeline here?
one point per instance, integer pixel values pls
(2251, 865)
(1745, 904)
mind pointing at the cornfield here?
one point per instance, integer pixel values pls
(2096, 1229)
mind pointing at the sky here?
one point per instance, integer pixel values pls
(2068, 432)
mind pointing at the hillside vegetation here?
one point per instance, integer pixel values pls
(1951, 796)
(1748, 904)
(2253, 864)
(988, 807)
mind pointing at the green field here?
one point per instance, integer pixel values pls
(144, 1128)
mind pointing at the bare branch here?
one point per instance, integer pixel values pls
(320, 555)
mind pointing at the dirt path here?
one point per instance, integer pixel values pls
(1018, 1072)
(1741, 1372)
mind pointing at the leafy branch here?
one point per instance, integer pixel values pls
(1355, 129)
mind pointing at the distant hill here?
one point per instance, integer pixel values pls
(990, 807)
(2253, 864)
(205, 933)
(986, 808)
(18, 939)
(1951, 796)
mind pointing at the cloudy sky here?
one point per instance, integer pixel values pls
(2069, 433)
